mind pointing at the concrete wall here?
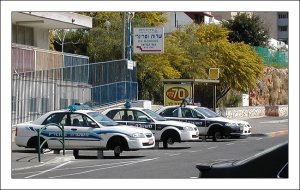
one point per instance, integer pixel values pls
(253, 111)
(41, 38)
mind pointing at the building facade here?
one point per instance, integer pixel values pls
(276, 22)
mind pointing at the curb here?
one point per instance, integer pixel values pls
(283, 132)
(59, 159)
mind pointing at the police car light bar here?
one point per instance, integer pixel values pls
(78, 106)
(127, 104)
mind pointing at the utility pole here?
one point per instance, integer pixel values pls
(124, 35)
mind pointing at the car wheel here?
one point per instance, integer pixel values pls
(168, 141)
(76, 153)
(117, 151)
(217, 136)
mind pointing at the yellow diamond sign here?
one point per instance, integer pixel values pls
(213, 73)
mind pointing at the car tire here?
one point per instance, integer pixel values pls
(217, 135)
(117, 150)
(168, 141)
(76, 154)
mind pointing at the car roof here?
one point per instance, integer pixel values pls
(176, 106)
(68, 111)
(131, 108)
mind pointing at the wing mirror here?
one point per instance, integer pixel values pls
(200, 116)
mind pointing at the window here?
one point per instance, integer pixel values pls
(186, 113)
(283, 28)
(22, 35)
(283, 15)
(56, 118)
(171, 112)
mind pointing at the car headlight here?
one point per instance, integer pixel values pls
(187, 128)
(138, 135)
(231, 125)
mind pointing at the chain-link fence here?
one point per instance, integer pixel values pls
(273, 57)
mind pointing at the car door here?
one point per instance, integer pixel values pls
(192, 116)
(80, 134)
(140, 119)
(52, 133)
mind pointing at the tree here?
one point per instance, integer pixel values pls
(247, 29)
(239, 64)
(196, 49)
(105, 39)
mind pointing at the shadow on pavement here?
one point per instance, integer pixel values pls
(108, 157)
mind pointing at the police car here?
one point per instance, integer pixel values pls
(166, 131)
(209, 123)
(83, 129)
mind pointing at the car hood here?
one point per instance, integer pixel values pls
(223, 119)
(176, 123)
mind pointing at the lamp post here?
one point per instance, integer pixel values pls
(130, 16)
(129, 19)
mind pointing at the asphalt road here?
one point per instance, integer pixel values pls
(178, 162)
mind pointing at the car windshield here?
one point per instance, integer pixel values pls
(102, 119)
(154, 115)
(207, 112)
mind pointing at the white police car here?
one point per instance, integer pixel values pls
(166, 131)
(208, 122)
(83, 129)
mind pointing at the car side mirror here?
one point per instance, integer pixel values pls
(93, 124)
(144, 119)
(200, 116)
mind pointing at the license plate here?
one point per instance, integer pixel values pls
(151, 141)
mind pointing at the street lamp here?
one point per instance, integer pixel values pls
(129, 19)
(130, 16)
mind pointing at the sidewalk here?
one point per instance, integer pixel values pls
(22, 158)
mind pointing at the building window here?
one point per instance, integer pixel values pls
(283, 15)
(283, 28)
(22, 35)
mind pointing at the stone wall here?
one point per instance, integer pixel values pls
(277, 111)
(253, 111)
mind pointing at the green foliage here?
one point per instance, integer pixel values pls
(188, 53)
(196, 49)
(231, 99)
(247, 29)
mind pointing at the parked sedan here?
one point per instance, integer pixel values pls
(82, 129)
(166, 131)
(271, 163)
(209, 123)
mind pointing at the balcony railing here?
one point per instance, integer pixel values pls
(29, 58)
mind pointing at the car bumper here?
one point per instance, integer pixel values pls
(190, 136)
(141, 143)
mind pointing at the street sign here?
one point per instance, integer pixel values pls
(148, 40)
(213, 73)
(130, 64)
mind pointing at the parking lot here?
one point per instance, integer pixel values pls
(176, 162)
